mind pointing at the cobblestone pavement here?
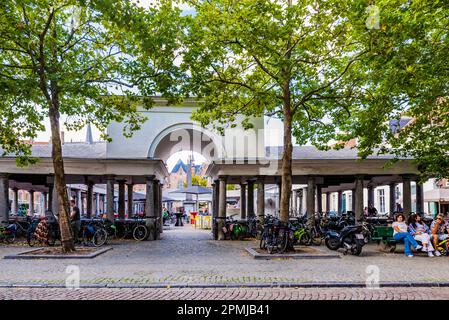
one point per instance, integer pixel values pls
(225, 294)
(189, 256)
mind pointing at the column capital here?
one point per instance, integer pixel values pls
(407, 176)
(110, 177)
(4, 175)
(223, 178)
(150, 177)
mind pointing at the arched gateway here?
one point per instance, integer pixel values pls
(237, 157)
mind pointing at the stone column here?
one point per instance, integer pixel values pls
(79, 200)
(15, 201)
(392, 197)
(311, 198)
(50, 197)
(407, 194)
(221, 208)
(251, 199)
(358, 197)
(130, 189)
(90, 199)
(69, 194)
(279, 193)
(328, 201)
(4, 198)
(419, 198)
(55, 201)
(97, 203)
(353, 201)
(261, 202)
(319, 196)
(158, 204)
(150, 207)
(303, 201)
(121, 199)
(243, 200)
(45, 204)
(370, 195)
(31, 203)
(340, 201)
(294, 199)
(215, 187)
(110, 197)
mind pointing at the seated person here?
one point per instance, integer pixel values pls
(401, 234)
(420, 232)
(438, 229)
(372, 211)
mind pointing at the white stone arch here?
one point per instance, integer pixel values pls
(161, 144)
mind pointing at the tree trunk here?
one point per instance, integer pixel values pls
(286, 157)
(59, 184)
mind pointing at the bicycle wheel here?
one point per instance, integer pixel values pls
(316, 238)
(31, 239)
(283, 241)
(10, 238)
(306, 239)
(99, 238)
(140, 233)
(262, 244)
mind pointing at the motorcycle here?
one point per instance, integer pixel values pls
(351, 238)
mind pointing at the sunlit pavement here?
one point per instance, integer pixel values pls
(186, 256)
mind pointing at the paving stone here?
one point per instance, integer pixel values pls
(188, 256)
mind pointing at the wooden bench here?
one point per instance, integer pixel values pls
(384, 237)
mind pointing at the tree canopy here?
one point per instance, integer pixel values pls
(294, 60)
(101, 57)
(408, 76)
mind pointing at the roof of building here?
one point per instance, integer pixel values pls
(312, 153)
(395, 124)
(180, 164)
(97, 150)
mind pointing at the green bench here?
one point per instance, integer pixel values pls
(384, 237)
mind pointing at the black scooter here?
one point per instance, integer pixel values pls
(350, 238)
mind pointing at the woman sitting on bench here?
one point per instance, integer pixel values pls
(420, 232)
(401, 234)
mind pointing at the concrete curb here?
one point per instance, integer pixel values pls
(261, 256)
(235, 285)
(23, 255)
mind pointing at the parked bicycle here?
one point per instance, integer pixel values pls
(7, 233)
(93, 234)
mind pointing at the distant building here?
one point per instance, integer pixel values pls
(178, 175)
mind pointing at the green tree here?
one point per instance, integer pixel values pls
(296, 61)
(66, 57)
(197, 181)
(408, 76)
